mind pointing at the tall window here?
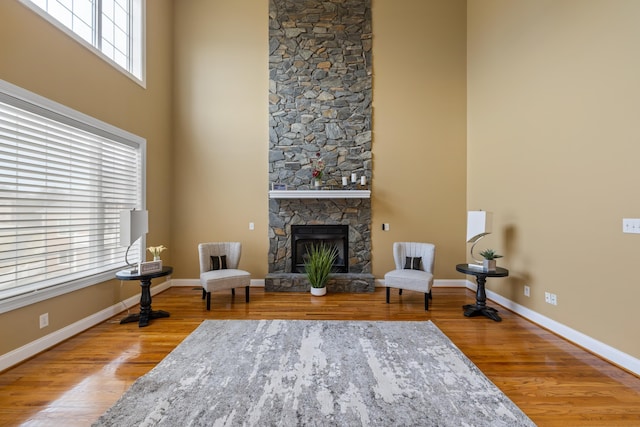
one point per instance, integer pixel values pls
(64, 178)
(115, 28)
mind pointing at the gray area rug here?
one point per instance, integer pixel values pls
(314, 373)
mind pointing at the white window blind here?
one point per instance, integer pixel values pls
(63, 182)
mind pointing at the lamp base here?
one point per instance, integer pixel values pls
(479, 261)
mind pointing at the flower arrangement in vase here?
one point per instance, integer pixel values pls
(156, 251)
(318, 169)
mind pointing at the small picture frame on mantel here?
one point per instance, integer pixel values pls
(278, 186)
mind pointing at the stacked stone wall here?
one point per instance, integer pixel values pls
(320, 95)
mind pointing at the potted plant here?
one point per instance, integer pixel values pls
(489, 262)
(318, 265)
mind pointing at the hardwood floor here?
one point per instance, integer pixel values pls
(554, 382)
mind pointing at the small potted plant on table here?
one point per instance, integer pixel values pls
(489, 262)
(318, 266)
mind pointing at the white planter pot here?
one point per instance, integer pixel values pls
(318, 292)
(489, 265)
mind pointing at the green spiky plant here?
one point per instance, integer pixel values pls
(319, 263)
(490, 254)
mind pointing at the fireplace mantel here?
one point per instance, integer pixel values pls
(320, 194)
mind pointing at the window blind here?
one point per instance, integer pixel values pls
(63, 183)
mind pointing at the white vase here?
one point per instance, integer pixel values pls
(489, 265)
(317, 183)
(156, 257)
(318, 292)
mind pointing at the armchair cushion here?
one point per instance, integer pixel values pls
(218, 262)
(413, 280)
(224, 279)
(413, 263)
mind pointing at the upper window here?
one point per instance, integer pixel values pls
(64, 179)
(113, 27)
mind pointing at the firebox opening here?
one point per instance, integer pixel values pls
(303, 237)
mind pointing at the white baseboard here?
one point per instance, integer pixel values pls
(449, 283)
(29, 350)
(599, 348)
(438, 283)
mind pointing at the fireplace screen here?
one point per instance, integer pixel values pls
(303, 237)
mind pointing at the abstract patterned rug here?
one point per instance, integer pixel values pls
(318, 373)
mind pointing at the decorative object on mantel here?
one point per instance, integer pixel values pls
(156, 251)
(489, 262)
(318, 266)
(318, 168)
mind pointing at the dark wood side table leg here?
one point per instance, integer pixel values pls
(480, 307)
(146, 313)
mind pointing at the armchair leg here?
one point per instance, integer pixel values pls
(400, 292)
(233, 292)
(204, 293)
(246, 299)
(388, 293)
(208, 301)
(427, 297)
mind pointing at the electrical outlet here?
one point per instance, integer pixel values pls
(251, 226)
(385, 226)
(631, 225)
(527, 291)
(550, 298)
(44, 320)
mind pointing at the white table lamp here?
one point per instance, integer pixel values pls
(479, 224)
(133, 225)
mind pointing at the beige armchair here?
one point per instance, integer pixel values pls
(414, 269)
(219, 269)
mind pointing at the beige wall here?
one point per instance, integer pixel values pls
(553, 106)
(419, 129)
(38, 57)
(222, 124)
(221, 131)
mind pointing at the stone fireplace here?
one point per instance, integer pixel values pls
(353, 214)
(320, 96)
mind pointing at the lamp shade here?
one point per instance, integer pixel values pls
(478, 225)
(133, 225)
